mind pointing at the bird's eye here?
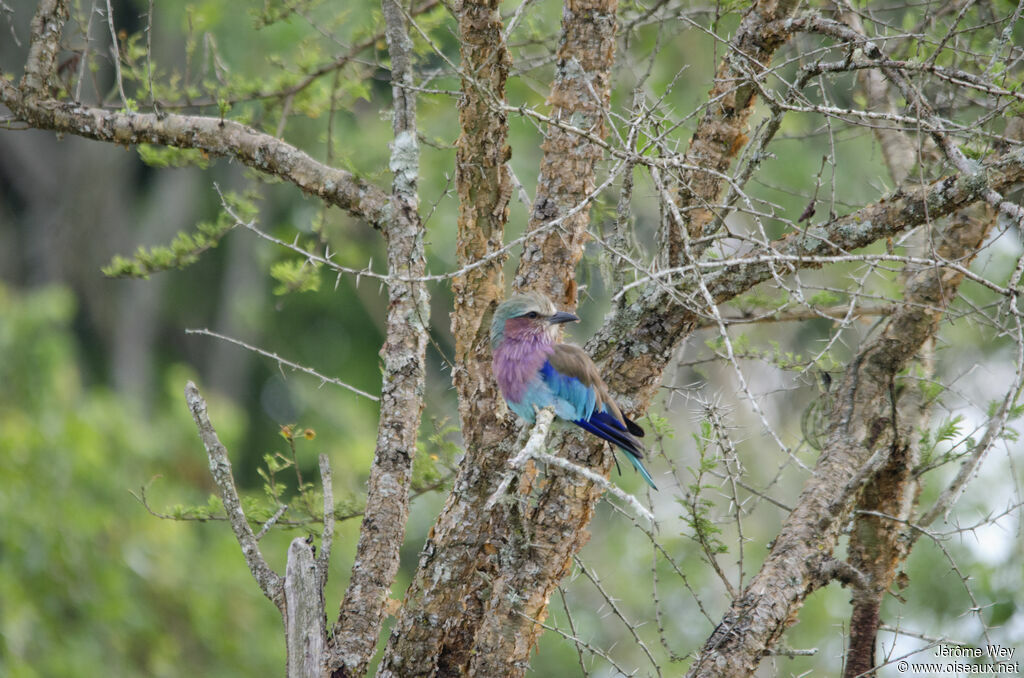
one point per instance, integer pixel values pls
(531, 314)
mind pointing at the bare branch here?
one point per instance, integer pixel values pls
(533, 447)
(641, 339)
(404, 357)
(214, 136)
(41, 64)
(269, 581)
(720, 134)
(323, 560)
(862, 435)
(115, 55)
(996, 424)
(284, 362)
(271, 521)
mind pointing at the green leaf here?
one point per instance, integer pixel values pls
(296, 275)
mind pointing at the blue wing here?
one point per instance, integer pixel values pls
(576, 402)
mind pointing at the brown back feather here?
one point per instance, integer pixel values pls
(572, 360)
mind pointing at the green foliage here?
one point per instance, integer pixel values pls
(761, 298)
(946, 431)
(301, 508)
(435, 458)
(91, 584)
(824, 298)
(930, 390)
(781, 358)
(697, 508)
(661, 426)
(296, 275)
(166, 156)
(185, 249)
(941, 445)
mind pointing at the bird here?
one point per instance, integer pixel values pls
(534, 370)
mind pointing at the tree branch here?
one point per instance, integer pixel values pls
(41, 64)
(404, 357)
(220, 468)
(305, 625)
(636, 344)
(720, 134)
(862, 432)
(213, 136)
(875, 548)
(534, 446)
(284, 362)
(579, 94)
(483, 183)
(323, 560)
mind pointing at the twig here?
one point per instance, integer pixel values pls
(572, 625)
(116, 52)
(597, 479)
(149, 56)
(834, 313)
(592, 576)
(282, 361)
(270, 523)
(596, 651)
(532, 447)
(969, 467)
(85, 53)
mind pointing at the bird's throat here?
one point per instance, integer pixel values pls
(517, 361)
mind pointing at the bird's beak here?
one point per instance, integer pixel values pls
(563, 317)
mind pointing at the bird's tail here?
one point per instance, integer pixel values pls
(639, 466)
(605, 426)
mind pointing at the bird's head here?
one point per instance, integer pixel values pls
(525, 315)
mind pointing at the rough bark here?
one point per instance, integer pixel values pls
(875, 547)
(485, 577)
(418, 645)
(41, 63)
(269, 581)
(214, 136)
(466, 549)
(862, 438)
(579, 97)
(305, 627)
(403, 354)
(721, 133)
(484, 187)
(539, 542)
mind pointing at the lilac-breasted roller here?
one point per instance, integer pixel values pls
(533, 371)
